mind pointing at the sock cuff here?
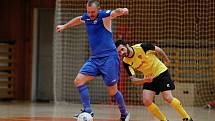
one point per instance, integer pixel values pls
(82, 87)
(152, 107)
(117, 93)
(175, 102)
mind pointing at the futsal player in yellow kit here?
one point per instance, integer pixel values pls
(142, 57)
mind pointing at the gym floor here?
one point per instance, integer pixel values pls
(24, 111)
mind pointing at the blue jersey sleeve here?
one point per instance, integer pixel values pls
(105, 13)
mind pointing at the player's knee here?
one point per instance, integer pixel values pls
(147, 102)
(78, 82)
(168, 99)
(112, 92)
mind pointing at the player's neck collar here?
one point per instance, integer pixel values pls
(130, 51)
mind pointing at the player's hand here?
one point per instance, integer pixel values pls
(148, 79)
(125, 11)
(60, 28)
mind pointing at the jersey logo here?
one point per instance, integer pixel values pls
(95, 22)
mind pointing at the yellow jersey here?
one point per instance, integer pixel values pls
(144, 60)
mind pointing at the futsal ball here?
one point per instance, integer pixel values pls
(85, 117)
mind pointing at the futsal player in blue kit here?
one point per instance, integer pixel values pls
(104, 60)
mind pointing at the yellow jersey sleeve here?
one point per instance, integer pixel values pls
(129, 69)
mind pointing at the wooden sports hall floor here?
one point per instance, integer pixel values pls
(24, 111)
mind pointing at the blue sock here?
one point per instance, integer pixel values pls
(85, 98)
(121, 103)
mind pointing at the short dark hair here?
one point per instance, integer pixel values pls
(120, 42)
(90, 2)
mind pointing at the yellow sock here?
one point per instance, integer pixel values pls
(153, 108)
(176, 104)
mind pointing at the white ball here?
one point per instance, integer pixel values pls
(85, 117)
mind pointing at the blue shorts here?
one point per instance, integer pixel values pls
(108, 67)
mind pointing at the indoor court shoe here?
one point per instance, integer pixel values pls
(82, 111)
(186, 119)
(125, 118)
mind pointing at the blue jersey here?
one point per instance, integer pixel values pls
(100, 38)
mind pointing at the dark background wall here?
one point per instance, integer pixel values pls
(16, 21)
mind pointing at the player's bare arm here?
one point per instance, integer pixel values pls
(160, 52)
(75, 21)
(134, 79)
(139, 81)
(119, 12)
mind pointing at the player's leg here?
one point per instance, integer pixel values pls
(117, 95)
(148, 96)
(176, 104)
(166, 86)
(110, 72)
(86, 73)
(80, 83)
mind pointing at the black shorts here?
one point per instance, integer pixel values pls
(161, 83)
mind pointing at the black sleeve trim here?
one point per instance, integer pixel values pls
(147, 46)
(127, 68)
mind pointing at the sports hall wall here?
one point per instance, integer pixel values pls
(185, 29)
